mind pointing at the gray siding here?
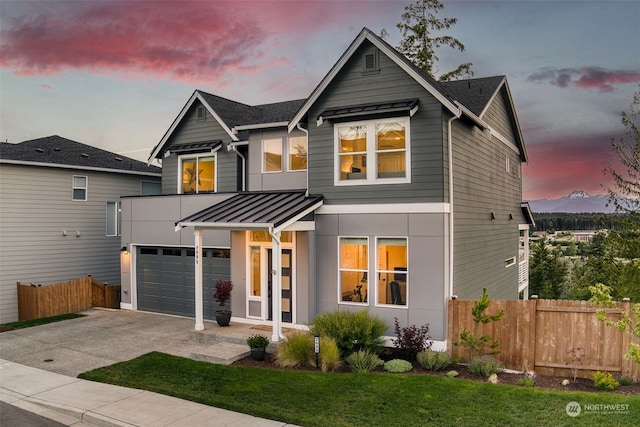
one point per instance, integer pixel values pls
(497, 115)
(481, 186)
(150, 221)
(427, 271)
(193, 130)
(353, 87)
(285, 180)
(36, 208)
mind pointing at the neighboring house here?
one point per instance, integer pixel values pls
(60, 213)
(383, 190)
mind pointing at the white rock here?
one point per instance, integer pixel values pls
(493, 379)
(565, 382)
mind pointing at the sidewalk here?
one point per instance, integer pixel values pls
(72, 401)
(39, 368)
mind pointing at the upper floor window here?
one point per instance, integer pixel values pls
(113, 219)
(298, 153)
(372, 152)
(198, 173)
(293, 148)
(79, 188)
(272, 149)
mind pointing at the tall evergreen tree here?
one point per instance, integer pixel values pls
(547, 272)
(419, 43)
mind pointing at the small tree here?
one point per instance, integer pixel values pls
(629, 322)
(222, 292)
(418, 42)
(485, 344)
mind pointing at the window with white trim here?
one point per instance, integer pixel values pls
(353, 268)
(114, 221)
(272, 155)
(198, 173)
(373, 152)
(297, 153)
(79, 185)
(391, 270)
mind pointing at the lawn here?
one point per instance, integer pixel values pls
(309, 398)
(37, 322)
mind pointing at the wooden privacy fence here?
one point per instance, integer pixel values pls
(38, 301)
(540, 335)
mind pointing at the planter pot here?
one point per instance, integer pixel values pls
(223, 318)
(258, 353)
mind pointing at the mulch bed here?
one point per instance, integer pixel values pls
(541, 381)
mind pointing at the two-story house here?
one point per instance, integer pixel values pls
(383, 190)
(60, 213)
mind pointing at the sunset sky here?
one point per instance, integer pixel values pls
(115, 74)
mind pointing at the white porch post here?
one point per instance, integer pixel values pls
(198, 282)
(276, 286)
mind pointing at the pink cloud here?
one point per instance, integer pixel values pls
(558, 167)
(46, 86)
(585, 77)
(191, 41)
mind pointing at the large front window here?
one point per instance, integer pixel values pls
(391, 270)
(198, 174)
(373, 151)
(354, 268)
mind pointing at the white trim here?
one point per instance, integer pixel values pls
(197, 156)
(195, 96)
(384, 208)
(259, 126)
(76, 167)
(376, 302)
(371, 153)
(394, 55)
(493, 97)
(501, 138)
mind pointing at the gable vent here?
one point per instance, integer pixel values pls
(371, 62)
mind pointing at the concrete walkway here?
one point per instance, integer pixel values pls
(39, 368)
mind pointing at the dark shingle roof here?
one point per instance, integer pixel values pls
(56, 150)
(473, 93)
(235, 113)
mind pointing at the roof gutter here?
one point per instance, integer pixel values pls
(235, 129)
(234, 147)
(78, 167)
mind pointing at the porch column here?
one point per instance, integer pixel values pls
(198, 276)
(276, 286)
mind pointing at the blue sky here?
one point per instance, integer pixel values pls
(114, 74)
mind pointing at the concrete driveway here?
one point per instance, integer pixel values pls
(105, 337)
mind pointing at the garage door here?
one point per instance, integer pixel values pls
(165, 279)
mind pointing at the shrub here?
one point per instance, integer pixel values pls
(452, 374)
(526, 381)
(604, 381)
(397, 365)
(329, 354)
(222, 291)
(352, 331)
(257, 341)
(297, 350)
(411, 340)
(363, 361)
(484, 366)
(625, 381)
(433, 360)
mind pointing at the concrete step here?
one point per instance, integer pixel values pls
(222, 353)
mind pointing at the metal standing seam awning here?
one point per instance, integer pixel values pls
(271, 211)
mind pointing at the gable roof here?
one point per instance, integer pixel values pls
(424, 80)
(56, 151)
(233, 116)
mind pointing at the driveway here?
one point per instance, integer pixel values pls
(105, 337)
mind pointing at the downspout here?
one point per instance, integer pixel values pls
(307, 133)
(450, 149)
(232, 147)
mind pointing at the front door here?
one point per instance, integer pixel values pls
(287, 284)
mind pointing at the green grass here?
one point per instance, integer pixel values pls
(37, 322)
(310, 398)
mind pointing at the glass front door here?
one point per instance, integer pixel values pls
(287, 284)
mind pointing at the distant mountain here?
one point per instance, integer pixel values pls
(576, 202)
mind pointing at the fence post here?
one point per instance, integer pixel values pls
(530, 364)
